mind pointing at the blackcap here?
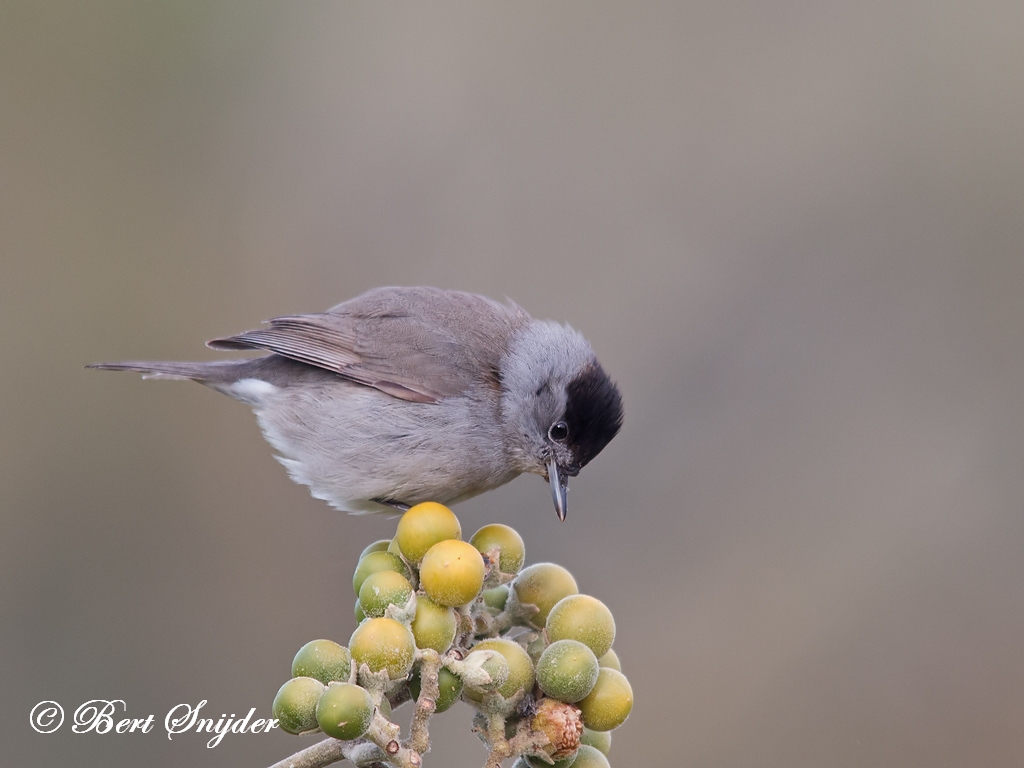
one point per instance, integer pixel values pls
(403, 395)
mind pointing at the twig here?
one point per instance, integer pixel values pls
(362, 753)
(385, 735)
(419, 737)
(496, 736)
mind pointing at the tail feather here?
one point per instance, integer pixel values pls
(216, 372)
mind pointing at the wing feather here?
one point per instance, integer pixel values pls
(416, 344)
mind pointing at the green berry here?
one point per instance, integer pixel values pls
(567, 670)
(423, 526)
(609, 703)
(360, 613)
(434, 626)
(449, 688)
(383, 644)
(375, 562)
(452, 572)
(535, 647)
(382, 589)
(344, 711)
(485, 670)
(323, 660)
(496, 598)
(505, 539)
(377, 546)
(583, 618)
(611, 661)
(589, 757)
(599, 740)
(520, 668)
(543, 585)
(532, 761)
(295, 704)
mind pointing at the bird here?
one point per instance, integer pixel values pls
(409, 394)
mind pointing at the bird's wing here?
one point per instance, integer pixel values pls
(417, 344)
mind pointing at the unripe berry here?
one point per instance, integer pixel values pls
(543, 585)
(295, 704)
(496, 598)
(452, 573)
(567, 670)
(344, 711)
(535, 646)
(382, 589)
(611, 661)
(323, 660)
(434, 626)
(589, 757)
(377, 546)
(423, 526)
(583, 618)
(449, 688)
(609, 703)
(505, 539)
(533, 761)
(599, 740)
(374, 563)
(383, 644)
(520, 668)
(484, 670)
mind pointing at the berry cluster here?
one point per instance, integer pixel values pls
(441, 619)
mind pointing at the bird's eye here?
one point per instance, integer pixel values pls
(559, 431)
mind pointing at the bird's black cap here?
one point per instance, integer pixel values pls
(593, 413)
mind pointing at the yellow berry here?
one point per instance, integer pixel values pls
(434, 626)
(423, 526)
(383, 644)
(452, 573)
(583, 618)
(507, 541)
(543, 585)
(609, 703)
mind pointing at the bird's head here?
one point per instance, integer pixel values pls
(559, 407)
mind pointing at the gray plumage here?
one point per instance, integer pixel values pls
(403, 395)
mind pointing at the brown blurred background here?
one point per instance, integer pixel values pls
(793, 231)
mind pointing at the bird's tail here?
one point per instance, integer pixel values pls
(220, 372)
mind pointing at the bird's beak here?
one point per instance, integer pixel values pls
(559, 488)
